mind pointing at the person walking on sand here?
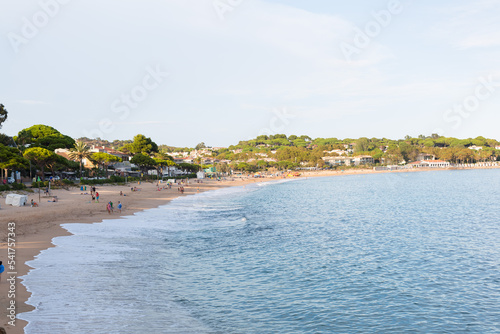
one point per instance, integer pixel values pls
(120, 206)
(108, 207)
(2, 269)
(97, 197)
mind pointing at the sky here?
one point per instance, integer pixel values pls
(220, 71)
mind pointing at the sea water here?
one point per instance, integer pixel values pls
(383, 253)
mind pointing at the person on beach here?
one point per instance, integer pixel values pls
(2, 269)
(111, 204)
(108, 207)
(97, 197)
(120, 206)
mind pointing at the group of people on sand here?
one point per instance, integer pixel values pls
(94, 194)
(167, 186)
(181, 189)
(110, 208)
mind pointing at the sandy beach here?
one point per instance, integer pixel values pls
(36, 226)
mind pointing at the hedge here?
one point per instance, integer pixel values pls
(13, 186)
(112, 179)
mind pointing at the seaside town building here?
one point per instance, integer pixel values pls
(429, 164)
(349, 161)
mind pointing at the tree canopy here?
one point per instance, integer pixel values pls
(10, 158)
(143, 160)
(104, 159)
(3, 114)
(41, 157)
(142, 144)
(44, 136)
(6, 140)
(79, 152)
(200, 146)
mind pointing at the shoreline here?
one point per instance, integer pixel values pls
(36, 227)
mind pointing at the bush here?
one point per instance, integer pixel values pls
(13, 186)
(18, 186)
(190, 176)
(112, 179)
(90, 182)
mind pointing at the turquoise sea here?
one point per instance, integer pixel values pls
(383, 253)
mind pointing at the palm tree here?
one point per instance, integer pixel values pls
(79, 152)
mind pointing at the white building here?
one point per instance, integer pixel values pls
(349, 161)
(429, 164)
(363, 160)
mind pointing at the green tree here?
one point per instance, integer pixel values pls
(409, 152)
(144, 162)
(142, 144)
(104, 159)
(3, 114)
(79, 152)
(393, 155)
(192, 168)
(306, 138)
(223, 167)
(41, 157)
(44, 136)
(362, 145)
(200, 146)
(6, 140)
(161, 163)
(10, 158)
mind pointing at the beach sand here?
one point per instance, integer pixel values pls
(36, 226)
